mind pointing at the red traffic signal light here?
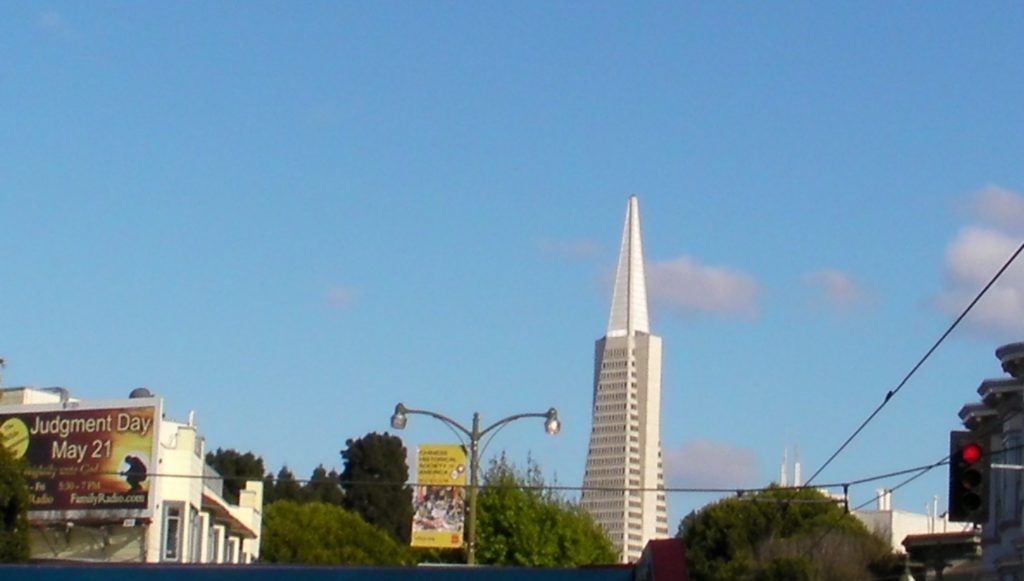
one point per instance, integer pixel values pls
(971, 452)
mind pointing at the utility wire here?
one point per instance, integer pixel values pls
(739, 491)
(917, 473)
(920, 471)
(892, 392)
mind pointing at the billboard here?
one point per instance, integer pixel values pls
(438, 500)
(85, 462)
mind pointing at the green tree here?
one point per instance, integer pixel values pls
(268, 489)
(522, 523)
(324, 486)
(286, 487)
(14, 543)
(236, 468)
(374, 481)
(321, 533)
(781, 533)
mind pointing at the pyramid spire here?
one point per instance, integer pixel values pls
(623, 486)
(629, 300)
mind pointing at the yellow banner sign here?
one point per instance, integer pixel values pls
(438, 501)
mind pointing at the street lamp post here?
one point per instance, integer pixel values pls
(552, 425)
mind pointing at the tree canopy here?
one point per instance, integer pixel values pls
(284, 487)
(14, 543)
(322, 533)
(324, 486)
(374, 482)
(523, 524)
(781, 533)
(236, 468)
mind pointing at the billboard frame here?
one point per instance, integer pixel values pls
(62, 432)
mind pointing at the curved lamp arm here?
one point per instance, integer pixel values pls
(552, 425)
(398, 419)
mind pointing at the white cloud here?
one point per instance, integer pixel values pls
(569, 249)
(710, 464)
(999, 207)
(838, 289)
(686, 285)
(341, 297)
(972, 259)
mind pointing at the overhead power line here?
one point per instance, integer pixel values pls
(737, 490)
(892, 392)
(918, 472)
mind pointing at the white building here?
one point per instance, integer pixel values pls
(890, 524)
(115, 481)
(895, 525)
(623, 485)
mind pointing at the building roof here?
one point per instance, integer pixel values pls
(221, 512)
(992, 391)
(629, 299)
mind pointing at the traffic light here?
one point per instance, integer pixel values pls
(969, 475)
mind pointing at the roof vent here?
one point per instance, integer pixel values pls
(140, 392)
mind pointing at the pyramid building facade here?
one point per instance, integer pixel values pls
(623, 483)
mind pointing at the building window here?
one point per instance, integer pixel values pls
(1010, 481)
(172, 531)
(229, 549)
(212, 548)
(195, 535)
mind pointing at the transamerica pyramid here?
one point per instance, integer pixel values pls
(623, 484)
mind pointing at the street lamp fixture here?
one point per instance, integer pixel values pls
(552, 425)
(399, 419)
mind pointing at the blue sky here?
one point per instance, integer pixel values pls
(289, 217)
